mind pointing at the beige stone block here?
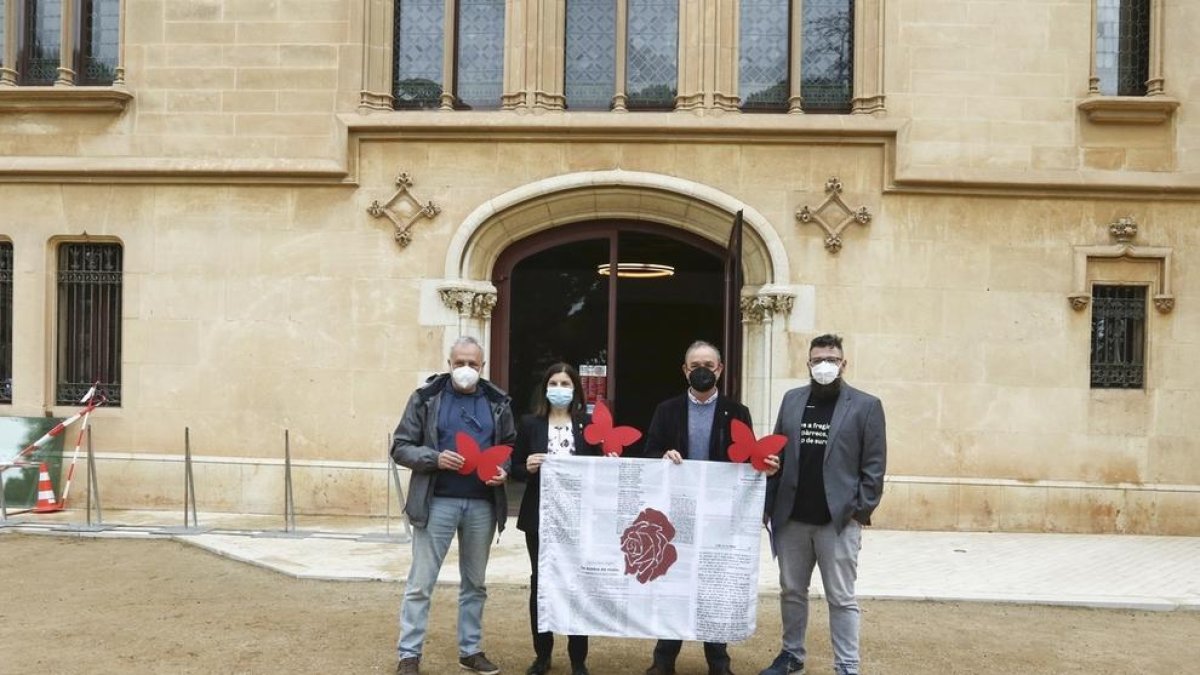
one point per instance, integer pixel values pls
(1032, 85)
(1113, 412)
(593, 157)
(193, 101)
(978, 507)
(1103, 158)
(254, 55)
(307, 101)
(1176, 412)
(188, 78)
(308, 147)
(289, 32)
(932, 506)
(1150, 160)
(291, 124)
(144, 21)
(194, 10)
(165, 342)
(314, 10)
(1030, 133)
(263, 10)
(125, 484)
(286, 78)
(1030, 268)
(197, 32)
(248, 101)
(1057, 158)
(1022, 509)
(893, 512)
(1070, 509)
(1170, 459)
(262, 487)
(306, 56)
(187, 56)
(1177, 513)
(948, 82)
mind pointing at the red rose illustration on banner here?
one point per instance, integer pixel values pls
(647, 545)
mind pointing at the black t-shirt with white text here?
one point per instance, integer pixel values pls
(811, 505)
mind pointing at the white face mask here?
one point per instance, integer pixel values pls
(465, 377)
(825, 373)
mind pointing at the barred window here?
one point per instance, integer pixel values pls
(417, 57)
(1118, 337)
(479, 66)
(1123, 46)
(6, 321)
(99, 30)
(48, 48)
(89, 321)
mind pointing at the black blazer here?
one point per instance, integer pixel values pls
(533, 434)
(669, 427)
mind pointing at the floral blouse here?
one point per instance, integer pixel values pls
(562, 440)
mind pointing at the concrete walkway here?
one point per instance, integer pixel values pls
(1116, 571)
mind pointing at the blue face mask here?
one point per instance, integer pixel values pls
(559, 397)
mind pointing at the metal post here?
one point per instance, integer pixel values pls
(289, 503)
(93, 487)
(189, 483)
(3, 503)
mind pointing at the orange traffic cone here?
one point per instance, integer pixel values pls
(46, 501)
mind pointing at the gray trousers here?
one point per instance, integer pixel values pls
(800, 546)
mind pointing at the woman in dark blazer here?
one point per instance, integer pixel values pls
(555, 427)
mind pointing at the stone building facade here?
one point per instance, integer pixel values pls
(312, 199)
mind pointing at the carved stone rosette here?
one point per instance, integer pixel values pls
(833, 215)
(762, 308)
(410, 210)
(469, 303)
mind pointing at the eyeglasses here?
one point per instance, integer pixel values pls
(835, 360)
(469, 419)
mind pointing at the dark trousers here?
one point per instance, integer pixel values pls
(543, 643)
(666, 651)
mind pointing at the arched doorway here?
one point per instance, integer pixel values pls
(558, 300)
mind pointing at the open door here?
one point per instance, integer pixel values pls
(731, 382)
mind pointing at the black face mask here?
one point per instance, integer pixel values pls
(702, 379)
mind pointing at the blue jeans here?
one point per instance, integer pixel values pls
(474, 520)
(800, 546)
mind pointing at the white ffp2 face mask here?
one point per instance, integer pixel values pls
(825, 373)
(465, 377)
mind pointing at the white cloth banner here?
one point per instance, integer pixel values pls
(647, 548)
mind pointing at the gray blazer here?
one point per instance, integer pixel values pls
(855, 457)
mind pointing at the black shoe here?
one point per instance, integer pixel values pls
(659, 669)
(538, 667)
(784, 664)
(409, 666)
(580, 670)
(478, 663)
(720, 670)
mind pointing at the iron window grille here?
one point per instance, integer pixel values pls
(1123, 46)
(89, 321)
(1118, 337)
(6, 321)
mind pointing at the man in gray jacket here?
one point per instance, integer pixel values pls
(442, 502)
(830, 481)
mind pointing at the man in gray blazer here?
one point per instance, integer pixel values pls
(830, 481)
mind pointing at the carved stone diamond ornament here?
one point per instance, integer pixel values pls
(403, 209)
(833, 215)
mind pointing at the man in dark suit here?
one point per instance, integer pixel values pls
(829, 482)
(694, 426)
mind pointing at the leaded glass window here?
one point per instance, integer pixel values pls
(3, 29)
(1123, 46)
(652, 58)
(479, 71)
(417, 55)
(591, 54)
(6, 320)
(41, 40)
(89, 321)
(1118, 337)
(99, 31)
(763, 58)
(827, 62)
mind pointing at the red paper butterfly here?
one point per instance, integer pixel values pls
(747, 447)
(602, 432)
(485, 464)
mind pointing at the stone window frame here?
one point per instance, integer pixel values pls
(1153, 108)
(535, 47)
(64, 95)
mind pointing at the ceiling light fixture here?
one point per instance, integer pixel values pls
(637, 270)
